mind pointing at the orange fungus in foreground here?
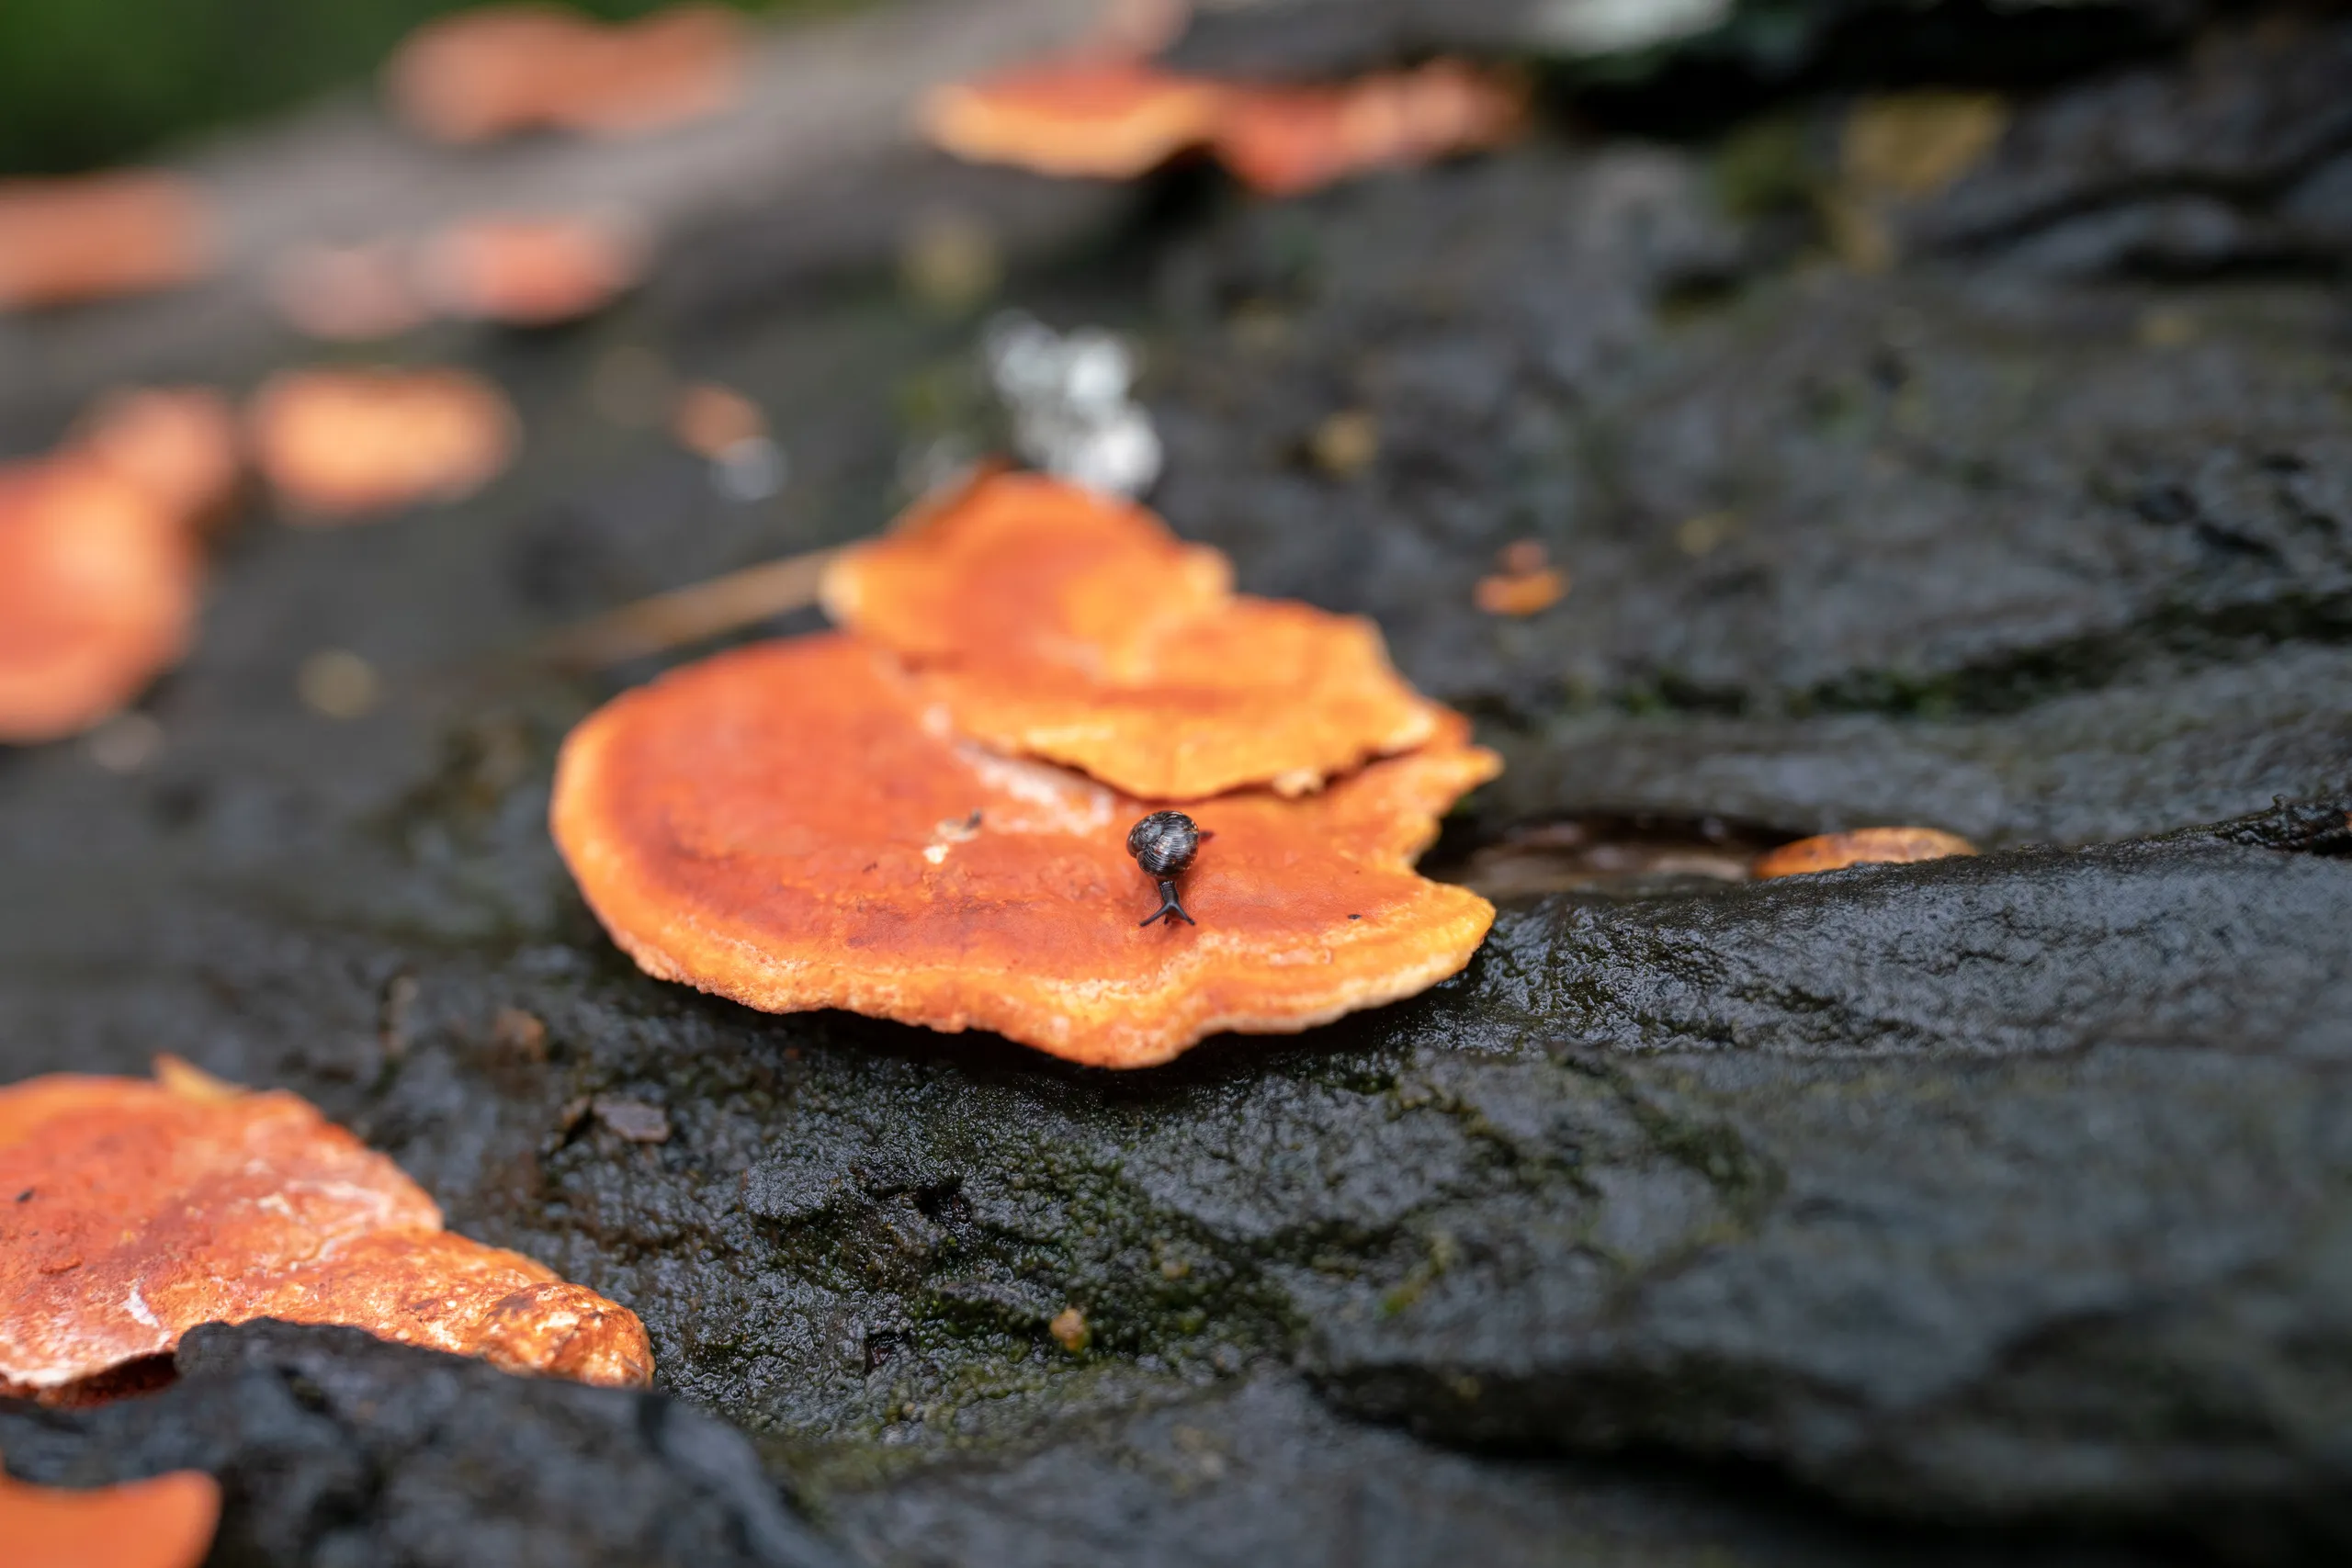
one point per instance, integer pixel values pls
(165, 1522)
(142, 1208)
(781, 825)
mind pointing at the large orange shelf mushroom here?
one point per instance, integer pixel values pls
(1052, 622)
(164, 1522)
(793, 826)
(100, 581)
(142, 1208)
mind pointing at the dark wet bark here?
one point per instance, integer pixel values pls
(1799, 1222)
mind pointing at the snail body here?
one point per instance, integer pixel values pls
(1164, 844)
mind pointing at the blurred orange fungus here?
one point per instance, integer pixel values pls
(502, 69)
(1118, 118)
(165, 1522)
(519, 269)
(1526, 584)
(179, 446)
(348, 293)
(97, 236)
(530, 271)
(710, 420)
(1284, 142)
(146, 1208)
(1105, 119)
(99, 588)
(337, 444)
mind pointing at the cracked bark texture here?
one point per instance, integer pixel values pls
(1976, 1211)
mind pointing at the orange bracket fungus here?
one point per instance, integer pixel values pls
(98, 236)
(348, 293)
(99, 588)
(1114, 117)
(142, 1208)
(794, 825)
(531, 271)
(1285, 141)
(502, 69)
(1102, 119)
(1863, 846)
(1050, 621)
(165, 1522)
(339, 443)
(99, 569)
(178, 444)
(519, 269)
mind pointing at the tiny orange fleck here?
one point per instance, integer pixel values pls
(711, 420)
(1522, 557)
(1522, 593)
(519, 1033)
(1344, 445)
(1069, 1329)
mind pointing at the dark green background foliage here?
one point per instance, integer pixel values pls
(90, 81)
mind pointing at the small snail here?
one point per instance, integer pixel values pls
(1163, 844)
